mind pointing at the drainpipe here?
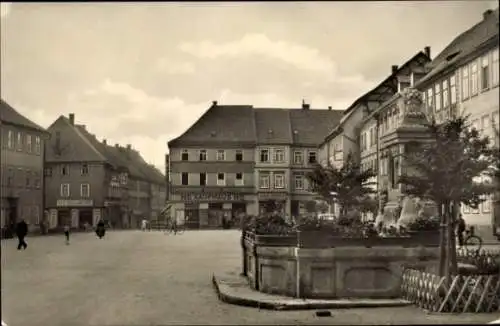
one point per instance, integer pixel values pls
(379, 192)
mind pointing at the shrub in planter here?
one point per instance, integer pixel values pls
(270, 224)
(424, 224)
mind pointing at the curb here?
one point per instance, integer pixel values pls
(247, 302)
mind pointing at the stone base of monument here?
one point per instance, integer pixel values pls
(325, 267)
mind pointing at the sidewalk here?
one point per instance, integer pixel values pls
(234, 289)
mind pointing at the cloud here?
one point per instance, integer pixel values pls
(5, 9)
(175, 67)
(300, 56)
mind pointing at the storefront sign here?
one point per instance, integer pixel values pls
(108, 203)
(212, 196)
(272, 196)
(75, 202)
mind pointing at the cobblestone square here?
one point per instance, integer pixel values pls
(149, 278)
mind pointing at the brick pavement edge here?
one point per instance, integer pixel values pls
(250, 298)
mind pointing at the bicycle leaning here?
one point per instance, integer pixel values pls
(472, 242)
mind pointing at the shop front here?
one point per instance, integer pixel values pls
(209, 210)
(74, 212)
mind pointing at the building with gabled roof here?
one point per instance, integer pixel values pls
(88, 180)
(237, 158)
(464, 79)
(21, 168)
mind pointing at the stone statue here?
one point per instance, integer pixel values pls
(413, 113)
(409, 212)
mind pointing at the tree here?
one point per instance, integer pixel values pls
(347, 186)
(446, 171)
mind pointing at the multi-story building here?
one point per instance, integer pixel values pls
(464, 79)
(211, 167)
(239, 158)
(22, 152)
(87, 180)
(287, 148)
(357, 133)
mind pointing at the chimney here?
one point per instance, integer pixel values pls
(487, 13)
(72, 119)
(394, 68)
(104, 141)
(305, 106)
(129, 147)
(214, 103)
(427, 51)
(329, 108)
(117, 145)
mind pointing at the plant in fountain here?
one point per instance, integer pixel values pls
(347, 186)
(446, 170)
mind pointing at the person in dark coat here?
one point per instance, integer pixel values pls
(21, 232)
(100, 230)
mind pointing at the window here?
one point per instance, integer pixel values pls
(299, 182)
(184, 178)
(10, 139)
(85, 190)
(28, 178)
(19, 178)
(123, 178)
(279, 181)
(221, 155)
(495, 120)
(430, 100)
(239, 155)
(298, 157)
(203, 179)
(29, 145)
(185, 155)
(264, 181)
(485, 73)
(38, 147)
(465, 82)
(264, 155)
(203, 155)
(372, 137)
(65, 169)
(445, 94)
(473, 78)
(485, 124)
(437, 96)
(10, 177)
(494, 68)
(85, 169)
(239, 179)
(453, 90)
(221, 179)
(36, 180)
(65, 190)
(279, 156)
(312, 157)
(19, 143)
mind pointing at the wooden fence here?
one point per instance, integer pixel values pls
(473, 293)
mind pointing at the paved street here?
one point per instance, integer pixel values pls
(148, 278)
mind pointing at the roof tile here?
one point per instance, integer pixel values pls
(9, 115)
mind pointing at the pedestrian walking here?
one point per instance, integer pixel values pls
(21, 232)
(66, 233)
(144, 224)
(101, 229)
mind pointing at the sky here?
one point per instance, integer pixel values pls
(142, 73)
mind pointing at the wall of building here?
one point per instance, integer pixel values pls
(22, 173)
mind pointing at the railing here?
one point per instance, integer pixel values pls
(487, 261)
(473, 293)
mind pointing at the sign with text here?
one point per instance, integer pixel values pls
(272, 196)
(75, 202)
(211, 196)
